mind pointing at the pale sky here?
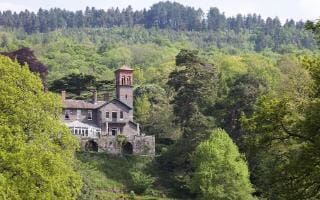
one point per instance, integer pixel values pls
(284, 9)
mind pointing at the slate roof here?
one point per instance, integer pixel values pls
(81, 104)
(117, 100)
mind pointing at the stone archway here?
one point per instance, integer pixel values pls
(127, 148)
(91, 146)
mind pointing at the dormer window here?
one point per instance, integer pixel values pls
(89, 114)
(67, 114)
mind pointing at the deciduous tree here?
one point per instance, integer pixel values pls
(221, 171)
(36, 149)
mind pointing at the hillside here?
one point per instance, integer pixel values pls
(99, 51)
(108, 177)
(233, 103)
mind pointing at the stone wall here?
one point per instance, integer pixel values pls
(142, 145)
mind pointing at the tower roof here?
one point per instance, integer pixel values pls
(125, 68)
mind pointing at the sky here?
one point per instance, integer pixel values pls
(284, 9)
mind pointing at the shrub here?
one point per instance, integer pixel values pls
(140, 182)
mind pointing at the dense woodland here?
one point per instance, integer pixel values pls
(264, 33)
(233, 103)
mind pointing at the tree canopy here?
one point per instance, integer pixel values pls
(36, 149)
(26, 56)
(220, 170)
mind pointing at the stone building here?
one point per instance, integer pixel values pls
(100, 124)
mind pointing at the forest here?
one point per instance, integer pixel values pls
(232, 101)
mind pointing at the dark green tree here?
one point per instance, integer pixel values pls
(216, 21)
(195, 83)
(240, 101)
(74, 83)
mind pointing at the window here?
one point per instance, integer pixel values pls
(82, 132)
(114, 115)
(121, 115)
(123, 80)
(107, 115)
(126, 96)
(114, 131)
(87, 132)
(67, 114)
(89, 114)
(128, 80)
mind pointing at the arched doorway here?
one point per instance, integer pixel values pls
(91, 146)
(127, 148)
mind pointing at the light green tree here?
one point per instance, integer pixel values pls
(142, 109)
(36, 149)
(221, 171)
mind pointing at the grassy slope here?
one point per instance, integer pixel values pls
(107, 177)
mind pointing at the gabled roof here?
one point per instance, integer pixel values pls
(118, 101)
(81, 104)
(134, 123)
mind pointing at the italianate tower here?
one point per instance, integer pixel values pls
(124, 85)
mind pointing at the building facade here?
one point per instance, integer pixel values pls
(100, 124)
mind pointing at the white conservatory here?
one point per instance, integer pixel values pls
(84, 130)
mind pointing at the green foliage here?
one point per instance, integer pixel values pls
(142, 109)
(140, 181)
(282, 134)
(74, 83)
(118, 56)
(240, 101)
(121, 139)
(315, 28)
(109, 177)
(36, 149)
(263, 33)
(221, 172)
(312, 64)
(132, 195)
(79, 83)
(195, 83)
(279, 127)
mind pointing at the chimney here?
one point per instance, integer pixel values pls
(63, 95)
(95, 97)
(138, 128)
